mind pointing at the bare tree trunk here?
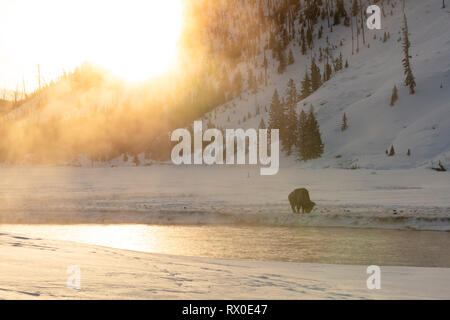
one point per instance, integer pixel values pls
(357, 34)
(328, 14)
(24, 94)
(362, 22)
(16, 95)
(353, 41)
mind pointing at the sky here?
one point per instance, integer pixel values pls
(134, 39)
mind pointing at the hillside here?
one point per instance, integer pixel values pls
(232, 84)
(419, 122)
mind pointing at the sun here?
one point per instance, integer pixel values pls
(139, 38)
(134, 39)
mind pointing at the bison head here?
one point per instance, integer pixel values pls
(309, 207)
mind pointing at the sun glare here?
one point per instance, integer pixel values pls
(134, 39)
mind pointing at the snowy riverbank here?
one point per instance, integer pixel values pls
(32, 268)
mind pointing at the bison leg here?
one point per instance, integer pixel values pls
(293, 207)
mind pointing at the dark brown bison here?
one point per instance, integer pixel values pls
(299, 198)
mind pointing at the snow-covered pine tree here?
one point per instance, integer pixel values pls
(282, 61)
(344, 125)
(262, 124)
(339, 63)
(136, 161)
(251, 82)
(327, 71)
(394, 96)
(315, 145)
(291, 59)
(392, 151)
(409, 80)
(275, 112)
(309, 37)
(301, 141)
(306, 86)
(303, 47)
(265, 66)
(337, 18)
(303, 41)
(237, 84)
(316, 78)
(290, 123)
(341, 8)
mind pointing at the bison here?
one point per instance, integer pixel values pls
(299, 198)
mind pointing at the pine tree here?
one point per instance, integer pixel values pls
(282, 62)
(291, 59)
(275, 112)
(327, 71)
(265, 65)
(341, 8)
(408, 153)
(301, 141)
(347, 21)
(303, 47)
(136, 161)
(392, 151)
(237, 84)
(344, 123)
(290, 123)
(316, 78)
(409, 80)
(314, 140)
(309, 37)
(251, 82)
(394, 96)
(262, 124)
(339, 63)
(337, 18)
(306, 86)
(303, 41)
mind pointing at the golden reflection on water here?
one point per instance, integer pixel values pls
(303, 244)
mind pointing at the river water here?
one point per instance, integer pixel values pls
(296, 244)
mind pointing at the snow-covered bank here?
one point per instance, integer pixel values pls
(33, 268)
(413, 199)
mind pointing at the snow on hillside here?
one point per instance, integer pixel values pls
(419, 122)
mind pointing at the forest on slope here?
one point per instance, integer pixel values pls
(234, 55)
